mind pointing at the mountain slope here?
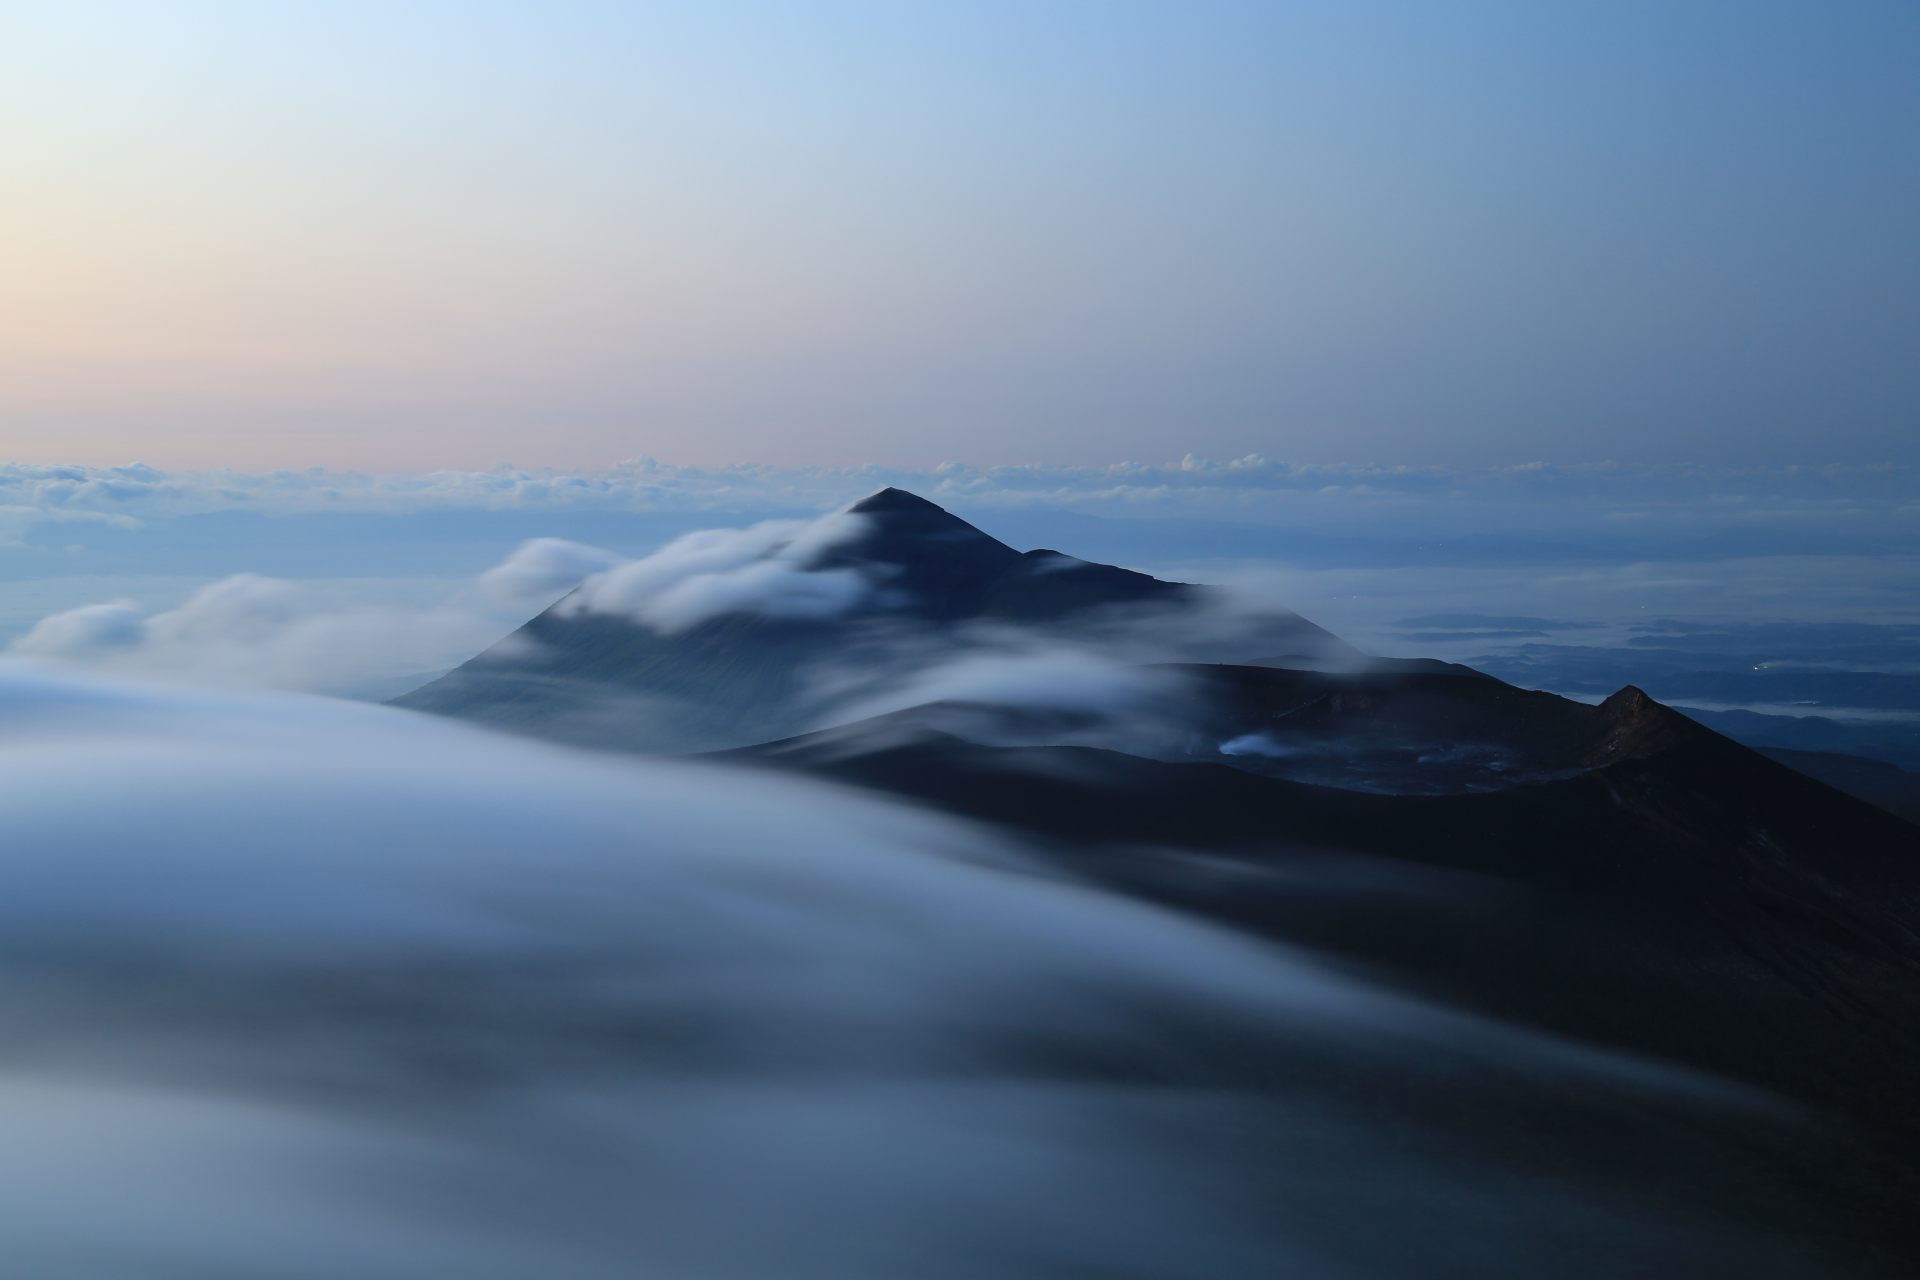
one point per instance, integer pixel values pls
(1886, 785)
(1660, 888)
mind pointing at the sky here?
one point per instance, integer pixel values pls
(430, 235)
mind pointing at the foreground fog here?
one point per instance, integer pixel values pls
(302, 988)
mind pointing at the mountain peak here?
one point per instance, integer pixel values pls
(890, 501)
(905, 526)
(1640, 726)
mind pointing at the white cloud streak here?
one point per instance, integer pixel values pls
(772, 569)
(1032, 676)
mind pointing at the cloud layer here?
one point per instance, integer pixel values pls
(1249, 488)
(310, 989)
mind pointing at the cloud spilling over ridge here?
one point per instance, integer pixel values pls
(1084, 691)
(542, 569)
(772, 569)
(1105, 667)
(413, 999)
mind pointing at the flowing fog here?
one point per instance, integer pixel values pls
(300, 988)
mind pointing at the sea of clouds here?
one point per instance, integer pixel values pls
(1864, 498)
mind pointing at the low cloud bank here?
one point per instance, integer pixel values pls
(249, 631)
(252, 632)
(314, 989)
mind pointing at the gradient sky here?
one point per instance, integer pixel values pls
(453, 234)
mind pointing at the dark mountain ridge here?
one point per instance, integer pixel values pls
(606, 679)
(1668, 892)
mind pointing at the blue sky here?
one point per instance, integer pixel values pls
(436, 235)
